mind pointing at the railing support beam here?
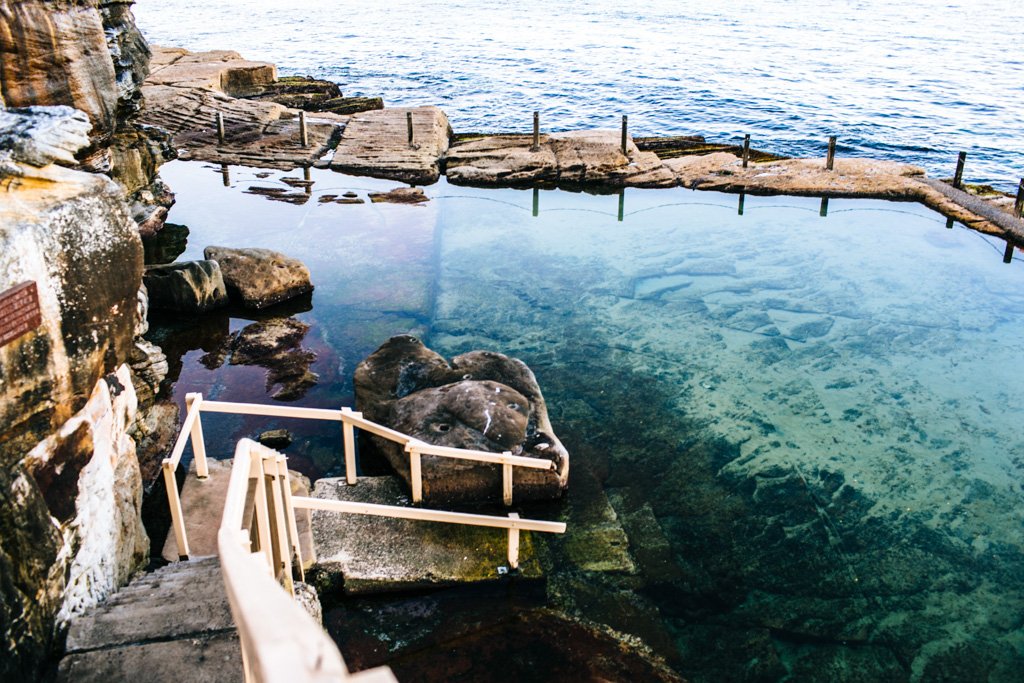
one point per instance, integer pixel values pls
(513, 543)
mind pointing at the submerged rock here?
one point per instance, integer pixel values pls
(258, 278)
(275, 345)
(187, 287)
(482, 400)
(399, 195)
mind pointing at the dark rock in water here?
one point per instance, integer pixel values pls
(399, 195)
(188, 287)
(275, 438)
(350, 105)
(166, 245)
(279, 194)
(276, 345)
(257, 278)
(481, 400)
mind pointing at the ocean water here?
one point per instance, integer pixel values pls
(915, 82)
(795, 437)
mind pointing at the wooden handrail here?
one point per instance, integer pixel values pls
(506, 458)
(270, 411)
(280, 642)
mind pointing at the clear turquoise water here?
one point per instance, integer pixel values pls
(914, 82)
(808, 427)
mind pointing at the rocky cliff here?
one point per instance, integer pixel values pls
(70, 484)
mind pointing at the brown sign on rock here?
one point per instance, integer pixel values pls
(19, 312)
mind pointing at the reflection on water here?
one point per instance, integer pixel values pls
(806, 430)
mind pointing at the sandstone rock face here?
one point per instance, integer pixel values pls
(56, 53)
(258, 278)
(571, 159)
(376, 144)
(221, 70)
(187, 287)
(481, 401)
(72, 516)
(66, 508)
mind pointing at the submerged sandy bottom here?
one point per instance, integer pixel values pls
(808, 427)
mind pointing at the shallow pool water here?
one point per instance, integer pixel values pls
(808, 427)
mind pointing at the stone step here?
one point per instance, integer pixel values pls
(366, 554)
(186, 600)
(210, 658)
(202, 503)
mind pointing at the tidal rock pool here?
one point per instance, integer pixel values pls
(796, 438)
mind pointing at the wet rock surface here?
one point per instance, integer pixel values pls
(258, 278)
(482, 400)
(376, 144)
(186, 287)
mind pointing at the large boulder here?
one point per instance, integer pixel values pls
(481, 400)
(257, 278)
(186, 287)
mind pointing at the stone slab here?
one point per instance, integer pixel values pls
(213, 658)
(376, 554)
(202, 501)
(376, 143)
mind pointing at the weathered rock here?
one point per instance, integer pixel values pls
(186, 91)
(39, 136)
(576, 158)
(501, 160)
(376, 144)
(258, 278)
(186, 287)
(349, 105)
(399, 195)
(275, 438)
(128, 51)
(166, 245)
(481, 400)
(56, 54)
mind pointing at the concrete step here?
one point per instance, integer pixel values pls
(187, 599)
(173, 624)
(364, 554)
(202, 502)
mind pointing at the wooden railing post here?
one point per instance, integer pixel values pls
(280, 541)
(415, 474)
(349, 438)
(506, 481)
(177, 516)
(289, 509)
(513, 543)
(257, 474)
(195, 401)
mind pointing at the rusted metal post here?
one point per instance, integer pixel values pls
(225, 174)
(220, 128)
(408, 125)
(959, 175)
(823, 212)
(746, 150)
(536, 131)
(831, 158)
(625, 121)
(303, 131)
(1008, 254)
(1018, 206)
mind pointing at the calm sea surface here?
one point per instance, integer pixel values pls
(916, 82)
